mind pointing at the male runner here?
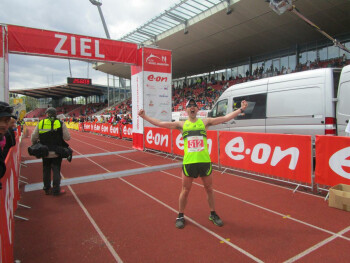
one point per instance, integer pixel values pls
(196, 161)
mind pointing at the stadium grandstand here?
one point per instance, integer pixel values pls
(216, 44)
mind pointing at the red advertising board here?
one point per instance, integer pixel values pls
(96, 128)
(33, 41)
(127, 131)
(87, 126)
(105, 128)
(286, 156)
(212, 141)
(9, 195)
(114, 130)
(158, 139)
(332, 160)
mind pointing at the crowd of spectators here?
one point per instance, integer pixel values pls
(207, 92)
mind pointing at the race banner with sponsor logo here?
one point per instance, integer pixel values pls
(212, 141)
(9, 196)
(151, 89)
(158, 139)
(332, 160)
(31, 41)
(96, 128)
(286, 156)
(114, 130)
(87, 126)
(127, 131)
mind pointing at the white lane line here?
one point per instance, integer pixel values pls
(188, 218)
(317, 246)
(94, 224)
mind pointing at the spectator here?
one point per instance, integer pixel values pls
(10, 136)
(5, 117)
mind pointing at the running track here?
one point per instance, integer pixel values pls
(132, 218)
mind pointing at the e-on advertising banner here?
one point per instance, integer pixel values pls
(157, 95)
(157, 83)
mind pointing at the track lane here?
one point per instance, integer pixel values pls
(165, 188)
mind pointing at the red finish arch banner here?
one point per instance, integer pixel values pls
(31, 41)
(333, 160)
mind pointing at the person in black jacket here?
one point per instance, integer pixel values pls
(53, 133)
(5, 117)
(10, 136)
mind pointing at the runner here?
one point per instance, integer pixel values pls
(196, 161)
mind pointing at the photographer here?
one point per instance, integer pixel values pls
(53, 133)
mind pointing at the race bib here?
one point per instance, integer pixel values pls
(195, 144)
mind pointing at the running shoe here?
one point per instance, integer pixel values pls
(61, 192)
(216, 220)
(180, 222)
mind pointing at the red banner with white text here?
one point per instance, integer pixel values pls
(332, 160)
(158, 139)
(9, 196)
(31, 41)
(127, 131)
(285, 156)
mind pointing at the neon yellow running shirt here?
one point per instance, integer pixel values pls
(195, 142)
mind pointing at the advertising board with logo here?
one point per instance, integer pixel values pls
(151, 89)
(158, 139)
(287, 156)
(333, 160)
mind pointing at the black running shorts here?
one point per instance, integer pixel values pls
(197, 169)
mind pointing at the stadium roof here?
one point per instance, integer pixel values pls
(60, 91)
(219, 35)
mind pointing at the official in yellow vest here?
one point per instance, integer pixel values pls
(196, 161)
(53, 133)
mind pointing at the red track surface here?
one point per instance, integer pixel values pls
(132, 219)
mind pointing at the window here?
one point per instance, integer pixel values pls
(292, 62)
(322, 53)
(220, 109)
(256, 106)
(333, 52)
(303, 58)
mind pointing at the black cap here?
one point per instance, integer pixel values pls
(191, 100)
(6, 110)
(51, 112)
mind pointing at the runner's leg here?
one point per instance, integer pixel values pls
(186, 188)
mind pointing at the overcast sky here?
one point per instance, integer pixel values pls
(71, 16)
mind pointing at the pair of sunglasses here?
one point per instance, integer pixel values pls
(191, 105)
(8, 109)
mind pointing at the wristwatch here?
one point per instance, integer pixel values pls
(241, 110)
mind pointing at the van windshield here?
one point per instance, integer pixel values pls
(220, 109)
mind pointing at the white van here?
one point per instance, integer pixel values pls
(314, 102)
